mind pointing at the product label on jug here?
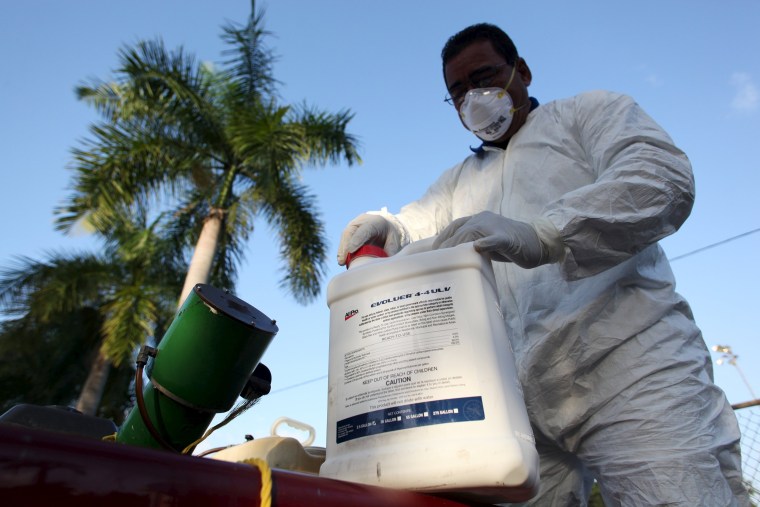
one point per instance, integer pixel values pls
(405, 365)
(410, 416)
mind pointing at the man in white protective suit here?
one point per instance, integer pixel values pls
(569, 200)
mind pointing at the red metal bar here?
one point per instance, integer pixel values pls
(37, 467)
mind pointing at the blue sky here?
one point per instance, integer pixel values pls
(692, 65)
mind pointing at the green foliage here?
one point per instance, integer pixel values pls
(178, 141)
(181, 136)
(40, 363)
(63, 309)
(595, 500)
(47, 363)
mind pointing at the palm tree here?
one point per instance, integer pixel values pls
(46, 363)
(76, 312)
(216, 147)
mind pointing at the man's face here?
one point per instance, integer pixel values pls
(480, 64)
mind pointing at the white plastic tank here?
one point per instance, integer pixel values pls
(423, 392)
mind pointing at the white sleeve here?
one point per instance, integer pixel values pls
(428, 215)
(644, 189)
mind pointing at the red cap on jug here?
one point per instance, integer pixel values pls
(365, 251)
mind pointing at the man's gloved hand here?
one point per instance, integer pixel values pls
(497, 237)
(368, 229)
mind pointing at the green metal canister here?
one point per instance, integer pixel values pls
(201, 366)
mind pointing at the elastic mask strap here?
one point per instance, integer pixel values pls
(513, 109)
(511, 76)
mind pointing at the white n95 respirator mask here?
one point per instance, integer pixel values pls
(488, 112)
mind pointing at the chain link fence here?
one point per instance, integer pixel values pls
(748, 415)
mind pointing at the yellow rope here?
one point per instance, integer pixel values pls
(265, 494)
(109, 438)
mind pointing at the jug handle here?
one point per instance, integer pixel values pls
(297, 425)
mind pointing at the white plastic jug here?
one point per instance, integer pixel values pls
(423, 392)
(279, 451)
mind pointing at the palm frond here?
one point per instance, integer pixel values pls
(326, 135)
(265, 143)
(130, 316)
(130, 163)
(249, 62)
(106, 98)
(59, 284)
(291, 210)
(160, 80)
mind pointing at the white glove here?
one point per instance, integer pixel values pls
(368, 229)
(501, 239)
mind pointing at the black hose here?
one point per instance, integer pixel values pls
(143, 410)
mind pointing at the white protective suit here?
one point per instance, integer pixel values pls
(617, 378)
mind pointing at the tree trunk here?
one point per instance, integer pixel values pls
(199, 270)
(92, 391)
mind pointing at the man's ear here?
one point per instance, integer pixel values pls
(524, 71)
